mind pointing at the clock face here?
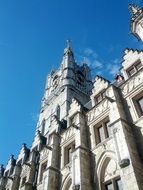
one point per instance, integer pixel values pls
(55, 81)
(80, 77)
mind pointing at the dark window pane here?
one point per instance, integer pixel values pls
(138, 65)
(109, 186)
(101, 134)
(131, 71)
(98, 98)
(140, 102)
(108, 128)
(58, 112)
(69, 152)
(43, 127)
(119, 184)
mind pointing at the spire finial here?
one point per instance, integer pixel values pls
(84, 60)
(68, 43)
(133, 9)
(68, 49)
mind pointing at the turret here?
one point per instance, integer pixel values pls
(136, 21)
(68, 57)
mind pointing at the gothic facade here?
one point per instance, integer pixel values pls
(89, 135)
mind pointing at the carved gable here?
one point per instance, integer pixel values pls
(130, 57)
(99, 85)
(74, 107)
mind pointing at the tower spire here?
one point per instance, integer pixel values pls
(68, 49)
(133, 9)
(136, 22)
(68, 43)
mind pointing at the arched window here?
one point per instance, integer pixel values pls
(110, 175)
(43, 127)
(58, 112)
(67, 184)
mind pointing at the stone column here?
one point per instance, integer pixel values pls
(81, 173)
(52, 173)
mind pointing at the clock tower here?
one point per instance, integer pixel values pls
(62, 85)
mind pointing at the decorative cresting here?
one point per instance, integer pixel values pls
(132, 84)
(131, 57)
(68, 134)
(135, 11)
(96, 111)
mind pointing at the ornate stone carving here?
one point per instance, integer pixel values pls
(25, 170)
(132, 84)
(98, 110)
(124, 163)
(68, 133)
(44, 154)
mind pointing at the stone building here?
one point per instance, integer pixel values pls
(137, 21)
(89, 135)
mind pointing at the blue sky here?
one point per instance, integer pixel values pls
(32, 38)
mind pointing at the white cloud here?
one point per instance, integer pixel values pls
(91, 58)
(90, 52)
(87, 61)
(116, 61)
(99, 73)
(98, 67)
(113, 68)
(97, 64)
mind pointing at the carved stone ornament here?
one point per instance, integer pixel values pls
(98, 110)
(133, 83)
(124, 163)
(68, 133)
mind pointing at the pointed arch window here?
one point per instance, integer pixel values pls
(110, 175)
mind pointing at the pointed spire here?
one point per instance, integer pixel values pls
(84, 61)
(12, 161)
(133, 9)
(68, 43)
(68, 49)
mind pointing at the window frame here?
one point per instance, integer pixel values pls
(114, 183)
(43, 126)
(67, 153)
(101, 96)
(134, 67)
(137, 105)
(104, 125)
(140, 107)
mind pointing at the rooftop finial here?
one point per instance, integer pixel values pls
(68, 49)
(84, 61)
(134, 9)
(68, 43)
